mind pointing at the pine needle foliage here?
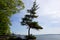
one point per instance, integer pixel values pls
(28, 19)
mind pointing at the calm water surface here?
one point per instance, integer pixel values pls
(48, 37)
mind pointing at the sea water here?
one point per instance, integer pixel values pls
(48, 37)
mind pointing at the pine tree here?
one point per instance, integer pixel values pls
(28, 19)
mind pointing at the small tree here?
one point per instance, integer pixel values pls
(28, 19)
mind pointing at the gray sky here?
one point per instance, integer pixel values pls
(49, 17)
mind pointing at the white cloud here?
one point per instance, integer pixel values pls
(50, 9)
(48, 30)
(55, 22)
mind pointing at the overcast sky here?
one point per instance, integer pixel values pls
(49, 17)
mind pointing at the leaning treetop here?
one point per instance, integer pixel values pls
(28, 19)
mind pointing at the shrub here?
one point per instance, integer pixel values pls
(30, 37)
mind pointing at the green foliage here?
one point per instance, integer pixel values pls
(7, 9)
(34, 25)
(10, 6)
(28, 19)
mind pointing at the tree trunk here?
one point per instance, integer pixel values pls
(29, 31)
